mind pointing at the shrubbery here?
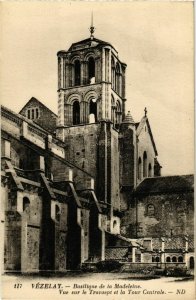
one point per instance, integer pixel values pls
(108, 265)
(177, 272)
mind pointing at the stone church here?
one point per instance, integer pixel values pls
(85, 185)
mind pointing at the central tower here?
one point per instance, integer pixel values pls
(91, 108)
(91, 84)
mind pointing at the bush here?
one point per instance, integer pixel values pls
(176, 272)
(108, 265)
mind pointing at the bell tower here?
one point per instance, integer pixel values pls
(91, 107)
(91, 83)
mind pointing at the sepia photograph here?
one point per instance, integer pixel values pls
(97, 150)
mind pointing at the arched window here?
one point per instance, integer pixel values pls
(139, 168)
(174, 259)
(168, 259)
(37, 113)
(118, 112)
(114, 224)
(26, 204)
(145, 164)
(180, 259)
(157, 259)
(57, 213)
(91, 70)
(150, 210)
(76, 113)
(93, 111)
(192, 262)
(149, 170)
(153, 259)
(117, 78)
(113, 73)
(113, 109)
(77, 72)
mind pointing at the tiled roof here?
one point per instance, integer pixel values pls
(93, 42)
(166, 184)
(174, 243)
(123, 241)
(116, 253)
(191, 243)
(156, 243)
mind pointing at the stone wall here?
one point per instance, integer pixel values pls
(159, 215)
(13, 247)
(81, 146)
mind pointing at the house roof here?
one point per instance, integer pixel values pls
(33, 99)
(128, 241)
(139, 127)
(166, 184)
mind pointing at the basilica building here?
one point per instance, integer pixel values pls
(85, 185)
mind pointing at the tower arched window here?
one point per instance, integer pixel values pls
(113, 73)
(77, 72)
(113, 109)
(118, 112)
(145, 164)
(139, 168)
(93, 111)
(91, 70)
(76, 113)
(117, 78)
(149, 170)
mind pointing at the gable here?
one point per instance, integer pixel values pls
(141, 127)
(40, 114)
(33, 102)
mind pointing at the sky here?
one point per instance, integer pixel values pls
(154, 39)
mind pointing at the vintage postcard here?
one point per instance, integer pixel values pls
(97, 144)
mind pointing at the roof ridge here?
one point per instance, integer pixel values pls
(177, 175)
